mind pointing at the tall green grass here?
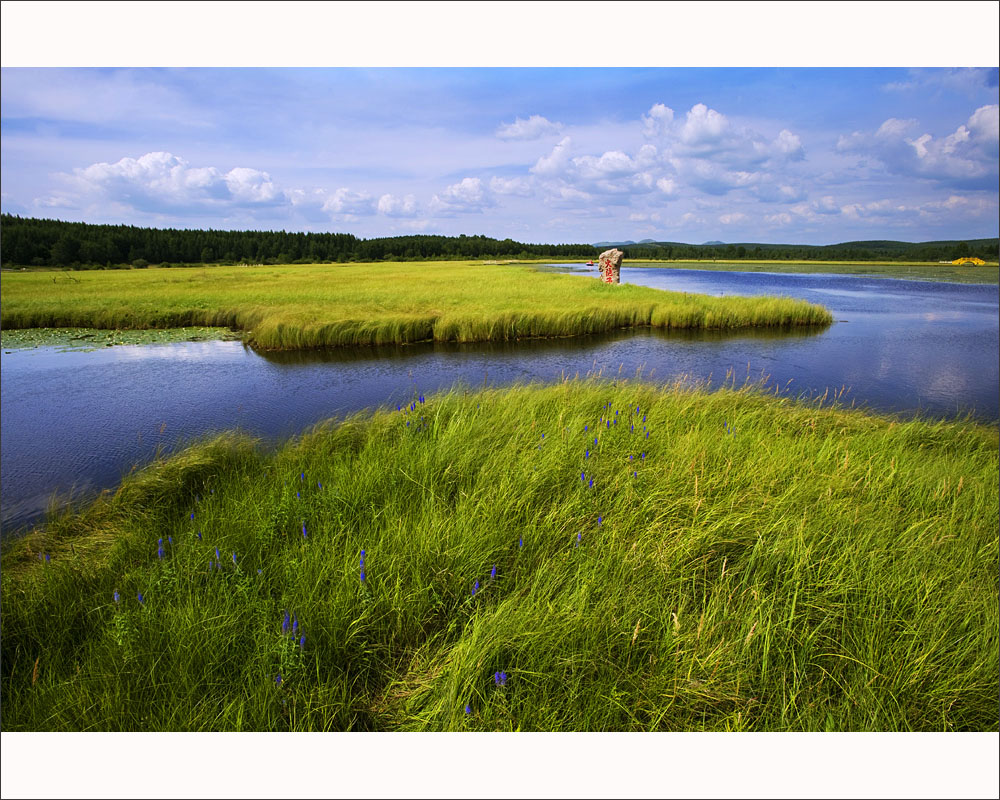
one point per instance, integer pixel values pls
(298, 307)
(754, 564)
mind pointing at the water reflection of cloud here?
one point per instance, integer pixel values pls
(949, 384)
(178, 351)
(944, 316)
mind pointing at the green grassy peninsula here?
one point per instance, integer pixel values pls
(323, 305)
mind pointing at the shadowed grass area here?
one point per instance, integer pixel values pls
(320, 305)
(583, 556)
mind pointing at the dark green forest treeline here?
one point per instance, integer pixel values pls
(986, 249)
(43, 242)
(52, 243)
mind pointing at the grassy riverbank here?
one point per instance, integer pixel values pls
(915, 271)
(583, 556)
(321, 305)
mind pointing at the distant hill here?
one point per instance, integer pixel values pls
(713, 243)
(622, 244)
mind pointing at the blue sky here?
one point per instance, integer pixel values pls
(552, 154)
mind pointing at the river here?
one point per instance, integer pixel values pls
(73, 421)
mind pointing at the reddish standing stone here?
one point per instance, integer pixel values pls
(610, 265)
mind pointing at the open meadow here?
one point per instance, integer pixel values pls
(584, 556)
(290, 307)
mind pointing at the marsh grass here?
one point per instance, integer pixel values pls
(297, 307)
(907, 270)
(753, 564)
(88, 339)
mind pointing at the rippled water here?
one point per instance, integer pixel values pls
(80, 420)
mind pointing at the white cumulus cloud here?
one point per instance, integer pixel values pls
(521, 187)
(346, 201)
(703, 126)
(789, 145)
(966, 158)
(163, 182)
(534, 127)
(657, 122)
(732, 219)
(467, 196)
(251, 185)
(392, 206)
(667, 186)
(556, 161)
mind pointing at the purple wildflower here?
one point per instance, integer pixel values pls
(284, 624)
(141, 601)
(159, 549)
(234, 559)
(117, 597)
(591, 484)
(277, 679)
(493, 573)
(468, 709)
(475, 588)
(302, 641)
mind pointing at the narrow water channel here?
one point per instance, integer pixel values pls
(77, 422)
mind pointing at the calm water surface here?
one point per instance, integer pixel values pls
(78, 421)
